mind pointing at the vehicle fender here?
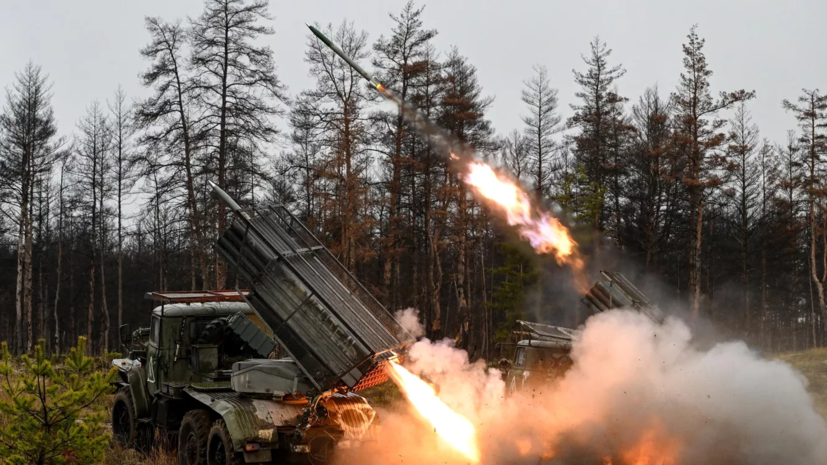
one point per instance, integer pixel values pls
(137, 385)
(249, 419)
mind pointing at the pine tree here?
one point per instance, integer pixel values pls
(166, 123)
(651, 191)
(699, 139)
(541, 124)
(463, 115)
(93, 157)
(56, 408)
(28, 147)
(515, 277)
(399, 60)
(123, 130)
(236, 85)
(811, 113)
(593, 117)
(745, 195)
(337, 103)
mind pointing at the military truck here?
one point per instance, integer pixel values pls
(542, 355)
(202, 379)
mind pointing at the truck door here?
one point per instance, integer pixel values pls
(153, 373)
(517, 373)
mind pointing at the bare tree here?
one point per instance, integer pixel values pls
(235, 84)
(28, 145)
(542, 123)
(92, 149)
(515, 154)
(337, 103)
(60, 234)
(165, 121)
(122, 132)
(745, 197)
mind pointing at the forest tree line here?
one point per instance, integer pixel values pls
(677, 184)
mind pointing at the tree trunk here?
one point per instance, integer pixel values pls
(90, 314)
(462, 264)
(27, 286)
(763, 295)
(104, 342)
(20, 295)
(695, 253)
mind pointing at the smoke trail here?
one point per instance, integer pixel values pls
(638, 394)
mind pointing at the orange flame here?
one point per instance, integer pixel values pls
(542, 230)
(455, 429)
(654, 447)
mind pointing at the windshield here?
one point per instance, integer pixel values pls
(154, 330)
(519, 357)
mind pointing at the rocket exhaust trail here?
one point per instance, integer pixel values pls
(535, 224)
(436, 134)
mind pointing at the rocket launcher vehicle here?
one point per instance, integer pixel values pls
(338, 334)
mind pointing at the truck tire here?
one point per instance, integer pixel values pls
(220, 446)
(192, 438)
(124, 420)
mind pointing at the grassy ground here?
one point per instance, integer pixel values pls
(115, 455)
(813, 365)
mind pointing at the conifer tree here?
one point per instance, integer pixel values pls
(56, 409)
(698, 131)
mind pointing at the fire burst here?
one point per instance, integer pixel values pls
(542, 230)
(455, 429)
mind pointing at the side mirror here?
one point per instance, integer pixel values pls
(126, 335)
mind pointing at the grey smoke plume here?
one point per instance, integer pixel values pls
(638, 394)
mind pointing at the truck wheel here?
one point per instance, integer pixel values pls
(220, 446)
(192, 438)
(124, 422)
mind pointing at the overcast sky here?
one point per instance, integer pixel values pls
(88, 47)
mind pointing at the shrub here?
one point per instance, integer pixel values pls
(56, 416)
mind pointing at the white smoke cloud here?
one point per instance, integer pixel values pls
(638, 394)
(409, 319)
(632, 378)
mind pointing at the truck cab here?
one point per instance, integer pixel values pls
(202, 378)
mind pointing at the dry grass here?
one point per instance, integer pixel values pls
(116, 455)
(813, 365)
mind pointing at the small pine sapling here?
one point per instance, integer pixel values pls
(56, 409)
